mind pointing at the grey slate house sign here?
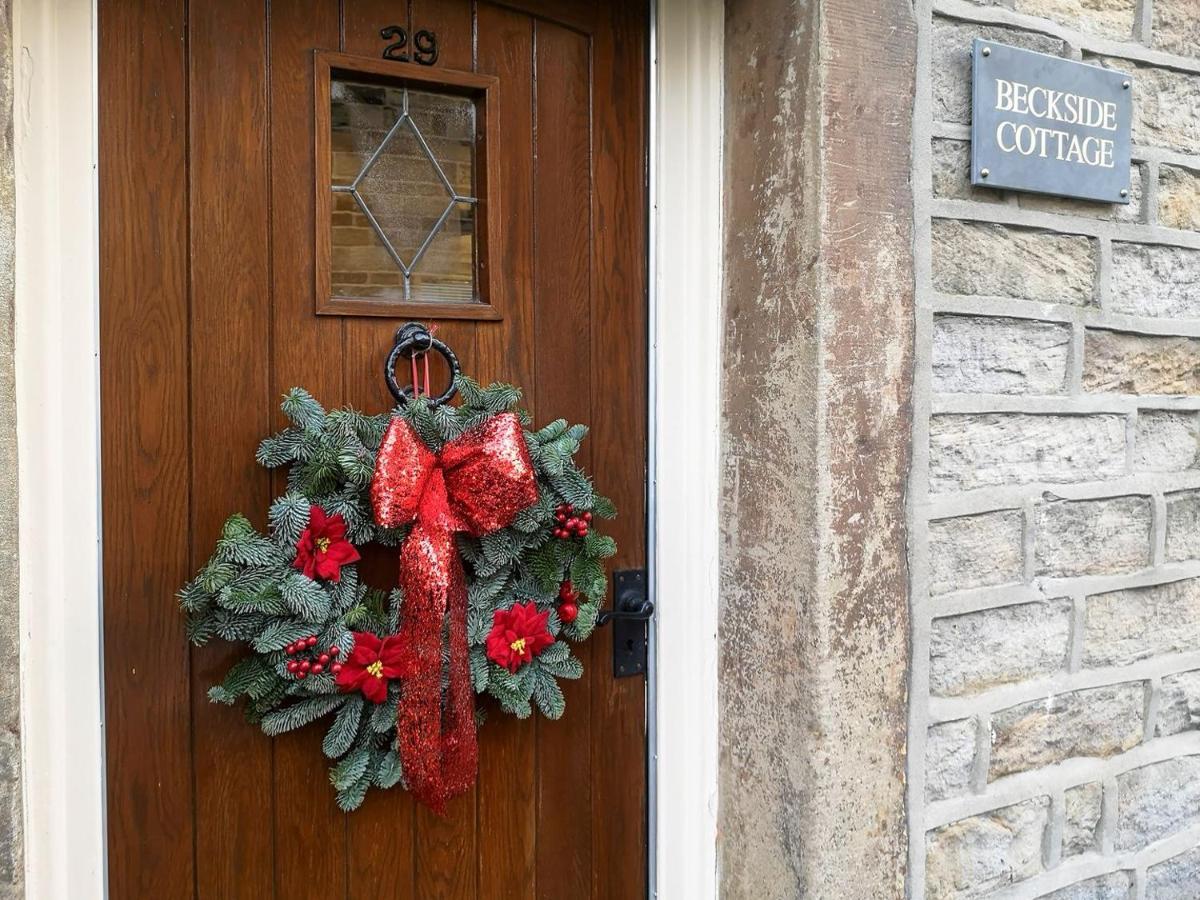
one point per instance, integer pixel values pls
(1049, 125)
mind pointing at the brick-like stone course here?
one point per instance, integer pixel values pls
(1093, 537)
(984, 355)
(991, 449)
(993, 647)
(1082, 808)
(1057, 623)
(1157, 800)
(1098, 722)
(980, 258)
(972, 856)
(1123, 627)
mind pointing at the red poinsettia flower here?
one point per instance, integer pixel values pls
(323, 549)
(373, 662)
(518, 635)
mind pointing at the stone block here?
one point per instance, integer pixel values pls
(1122, 627)
(1082, 806)
(985, 649)
(1153, 280)
(983, 853)
(1156, 801)
(1164, 105)
(985, 259)
(1119, 362)
(990, 449)
(1179, 193)
(1104, 18)
(949, 758)
(952, 173)
(1178, 704)
(1116, 212)
(985, 355)
(1183, 525)
(1176, 27)
(1177, 878)
(1165, 441)
(974, 551)
(1113, 886)
(1092, 537)
(951, 61)
(1095, 722)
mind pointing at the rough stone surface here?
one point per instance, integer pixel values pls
(12, 874)
(1179, 703)
(974, 551)
(813, 712)
(1081, 818)
(1179, 191)
(983, 355)
(1176, 878)
(971, 857)
(951, 173)
(1183, 525)
(1164, 105)
(1165, 441)
(950, 66)
(1113, 886)
(949, 756)
(975, 451)
(981, 258)
(1097, 722)
(1123, 363)
(1156, 801)
(1150, 280)
(1093, 537)
(1123, 627)
(1106, 18)
(985, 649)
(1133, 211)
(1176, 27)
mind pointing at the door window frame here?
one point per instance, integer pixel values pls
(58, 428)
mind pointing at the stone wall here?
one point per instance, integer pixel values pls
(12, 874)
(1055, 719)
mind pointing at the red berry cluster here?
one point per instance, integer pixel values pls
(569, 525)
(314, 661)
(568, 602)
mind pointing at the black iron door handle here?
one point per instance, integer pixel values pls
(632, 609)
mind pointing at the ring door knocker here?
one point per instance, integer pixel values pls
(412, 341)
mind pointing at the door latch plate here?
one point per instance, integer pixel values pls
(629, 631)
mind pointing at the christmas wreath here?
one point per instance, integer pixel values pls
(500, 570)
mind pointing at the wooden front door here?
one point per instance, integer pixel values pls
(210, 310)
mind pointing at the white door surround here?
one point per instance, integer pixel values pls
(58, 418)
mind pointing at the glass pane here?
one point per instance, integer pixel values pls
(404, 204)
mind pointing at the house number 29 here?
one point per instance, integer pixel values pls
(424, 49)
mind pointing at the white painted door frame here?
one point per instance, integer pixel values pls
(58, 418)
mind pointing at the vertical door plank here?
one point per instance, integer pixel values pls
(144, 445)
(619, 430)
(507, 752)
(230, 363)
(562, 332)
(310, 830)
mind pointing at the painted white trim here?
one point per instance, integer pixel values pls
(58, 415)
(686, 323)
(57, 342)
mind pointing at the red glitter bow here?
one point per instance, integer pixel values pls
(477, 483)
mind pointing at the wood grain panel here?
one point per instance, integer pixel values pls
(144, 445)
(619, 214)
(229, 355)
(507, 757)
(310, 830)
(562, 335)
